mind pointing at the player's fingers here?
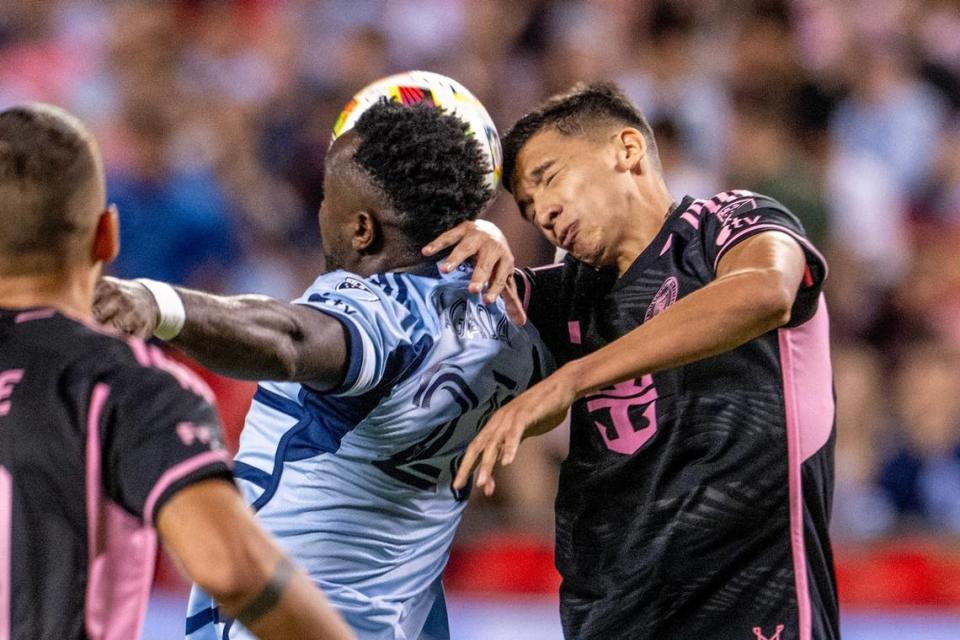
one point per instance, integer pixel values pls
(446, 239)
(480, 280)
(502, 272)
(466, 465)
(510, 446)
(490, 487)
(106, 308)
(461, 253)
(487, 462)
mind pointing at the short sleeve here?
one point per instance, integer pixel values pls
(160, 436)
(381, 330)
(728, 225)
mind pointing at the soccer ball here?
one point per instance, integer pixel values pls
(412, 87)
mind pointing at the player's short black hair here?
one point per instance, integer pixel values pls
(429, 167)
(46, 161)
(574, 112)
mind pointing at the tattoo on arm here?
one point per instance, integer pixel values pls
(270, 595)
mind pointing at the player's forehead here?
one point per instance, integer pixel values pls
(543, 151)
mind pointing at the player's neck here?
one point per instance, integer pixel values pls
(398, 254)
(71, 294)
(648, 213)
(383, 263)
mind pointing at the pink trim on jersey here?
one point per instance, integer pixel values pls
(140, 352)
(177, 472)
(808, 407)
(118, 589)
(35, 314)
(526, 289)
(121, 550)
(667, 244)
(93, 498)
(6, 548)
(573, 328)
(691, 218)
(813, 379)
(773, 227)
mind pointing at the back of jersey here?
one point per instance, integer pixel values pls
(357, 483)
(93, 440)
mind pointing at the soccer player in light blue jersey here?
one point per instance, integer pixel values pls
(389, 366)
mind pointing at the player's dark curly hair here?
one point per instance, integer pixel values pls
(432, 171)
(573, 113)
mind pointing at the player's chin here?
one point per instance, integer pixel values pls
(596, 257)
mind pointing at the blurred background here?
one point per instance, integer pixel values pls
(214, 118)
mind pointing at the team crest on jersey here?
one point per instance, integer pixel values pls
(358, 288)
(666, 296)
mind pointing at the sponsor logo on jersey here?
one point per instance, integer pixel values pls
(733, 224)
(358, 288)
(734, 207)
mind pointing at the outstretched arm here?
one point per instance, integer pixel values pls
(249, 336)
(212, 534)
(757, 282)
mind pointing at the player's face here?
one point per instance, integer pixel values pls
(571, 188)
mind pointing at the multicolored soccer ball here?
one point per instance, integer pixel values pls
(412, 87)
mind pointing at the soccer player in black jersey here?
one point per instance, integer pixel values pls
(695, 500)
(104, 443)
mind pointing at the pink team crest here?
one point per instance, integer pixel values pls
(665, 296)
(622, 432)
(758, 631)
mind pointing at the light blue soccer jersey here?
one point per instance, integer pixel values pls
(356, 483)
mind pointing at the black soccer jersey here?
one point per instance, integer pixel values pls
(695, 502)
(95, 435)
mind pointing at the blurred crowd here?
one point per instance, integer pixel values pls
(214, 117)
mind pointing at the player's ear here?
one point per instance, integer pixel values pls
(366, 232)
(106, 238)
(631, 149)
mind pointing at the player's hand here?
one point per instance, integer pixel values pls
(125, 305)
(536, 411)
(493, 270)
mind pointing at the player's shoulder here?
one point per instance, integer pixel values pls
(72, 340)
(133, 365)
(729, 204)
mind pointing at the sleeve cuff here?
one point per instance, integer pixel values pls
(199, 467)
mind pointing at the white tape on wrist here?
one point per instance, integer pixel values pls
(172, 315)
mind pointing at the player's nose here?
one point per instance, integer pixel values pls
(547, 214)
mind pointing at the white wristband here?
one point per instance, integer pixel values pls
(172, 314)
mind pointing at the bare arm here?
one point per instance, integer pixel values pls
(756, 285)
(212, 534)
(757, 282)
(249, 336)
